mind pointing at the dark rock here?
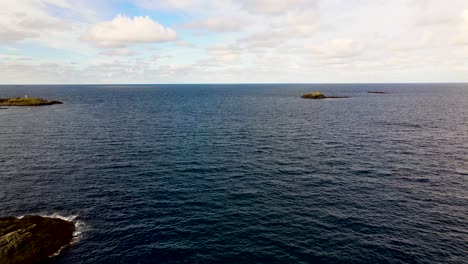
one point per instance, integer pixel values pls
(336, 97)
(32, 239)
(319, 95)
(377, 92)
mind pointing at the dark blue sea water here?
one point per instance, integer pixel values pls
(244, 173)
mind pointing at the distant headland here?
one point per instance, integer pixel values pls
(27, 101)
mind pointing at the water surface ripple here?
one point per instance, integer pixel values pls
(244, 173)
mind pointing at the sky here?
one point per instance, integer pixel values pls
(233, 41)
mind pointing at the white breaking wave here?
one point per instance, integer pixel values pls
(79, 225)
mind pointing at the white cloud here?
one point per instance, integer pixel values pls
(217, 24)
(117, 52)
(29, 19)
(463, 37)
(465, 20)
(14, 34)
(336, 48)
(298, 24)
(224, 54)
(276, 6)
(123, 30)
(182, 43)
(39, 24)
(426, 40)
(13, 57)
(259, 40)
(430, 13)
(263, 39)
(281, 30)
(169, 4)
(59, 3)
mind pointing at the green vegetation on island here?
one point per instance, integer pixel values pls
(26, 101)
(319, 95)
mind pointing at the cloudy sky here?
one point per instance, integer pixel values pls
(233, 41)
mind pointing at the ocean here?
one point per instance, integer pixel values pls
(243, 173)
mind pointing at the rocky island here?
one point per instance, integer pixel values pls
(32, 239)
(26, 101)
(319, 95)
(377, 92)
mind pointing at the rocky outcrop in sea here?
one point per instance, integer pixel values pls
(32, 239)
(319, 95)
(27, 101)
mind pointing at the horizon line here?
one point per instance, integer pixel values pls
(227, 83)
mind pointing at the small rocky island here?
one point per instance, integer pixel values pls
(27, 101)
(377, 92)
(319, 95)
(32, 239)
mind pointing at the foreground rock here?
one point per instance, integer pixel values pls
(377, 92)
(319, 95)
(32, 239)
(26, 102)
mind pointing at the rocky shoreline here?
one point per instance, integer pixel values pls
(32, 239)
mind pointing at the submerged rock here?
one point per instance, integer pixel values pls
(32, 239)
(27, 102)
(319, 95)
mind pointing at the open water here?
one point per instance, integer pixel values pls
(244, 173)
